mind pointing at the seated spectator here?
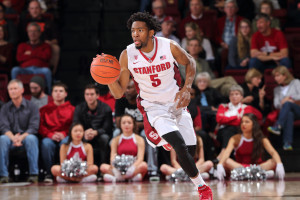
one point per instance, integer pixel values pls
(239, 47)
(56, 119)
(195, 49)
(249, 146)
(38, 96)
(208, 100)
(6, 51)
(11, 34)
(158, 9)
(275, 4)
(106, 97)
(49, 32)
(167, 28)
(19, 124)
(198, 16)
(227, 26)
(268, 46)
(34, 56)
(287, 99)
(13, 6)
(96, 118)
(293, 14)
(75, 145)
(229, 116)
(253, 95)
(128, 143)
(266, 7)
(192, 30)
(202, 165)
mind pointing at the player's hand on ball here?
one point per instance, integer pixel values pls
(220, 172)
(280, 171)
(183, 97)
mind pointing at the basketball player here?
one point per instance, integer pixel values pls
(152, 62)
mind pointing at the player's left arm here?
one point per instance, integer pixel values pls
(183, 58)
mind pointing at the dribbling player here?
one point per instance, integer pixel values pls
(152, 62)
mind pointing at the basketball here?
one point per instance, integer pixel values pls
(105, 69)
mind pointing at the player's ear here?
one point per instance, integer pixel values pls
(151, 33)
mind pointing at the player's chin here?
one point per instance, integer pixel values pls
(138, 47)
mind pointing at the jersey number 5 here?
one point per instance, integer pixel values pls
(155, 80)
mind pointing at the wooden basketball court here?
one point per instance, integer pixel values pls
(230, 190)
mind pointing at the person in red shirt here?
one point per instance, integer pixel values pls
(34, 56)
(229, 115)
(268, 46)
(56, 118)
(205, 21)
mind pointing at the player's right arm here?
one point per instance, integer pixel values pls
(118, 87)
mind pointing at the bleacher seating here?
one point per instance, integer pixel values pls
(293, 40)
(237, 74)
(3, 87)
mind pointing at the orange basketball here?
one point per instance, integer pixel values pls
(105, 69)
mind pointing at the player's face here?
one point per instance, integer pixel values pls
(77, 133)
(189, 32)
(262, 25)
(230, 9)
(235, 97)
(33, 33)
(279, 78)
(194, 47)
(34, 9)
(195, 7)
(35, 89)
(90, 96)
(140, 34)
(158, 8)
(256, 81)
(59, 93)
(246, 124)
(245, 29)
(266, 9)
(127, 124)
(130, 91)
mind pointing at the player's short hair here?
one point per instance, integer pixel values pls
(91, 86)
(35, 25)
(16, 81)
(151, 22)
(236, 88)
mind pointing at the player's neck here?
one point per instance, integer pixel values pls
(149, 47)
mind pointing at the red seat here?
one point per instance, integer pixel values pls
(237, 74)
(281, 15)
(3, 87)
(293, 40)
(13, 17)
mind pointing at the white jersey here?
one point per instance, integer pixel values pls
(157, 79)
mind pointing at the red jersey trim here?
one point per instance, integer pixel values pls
(153, 57)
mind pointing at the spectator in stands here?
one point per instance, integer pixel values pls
(208, 99)
(19, 123)
(227, 26)
(11, 36)
(106, 97)
(192, 30)
(38, 96)
(167, 28)
(15, 6)
(268, 46)
(229, 116)
(34, 56)
(48, 29)
(266, 7)
(6, 51)
(205, 22)
(249, 146)
(195, 49)
(56, 119)
(239, 47)
(287, 99)
(253, 95)
(96, 118)
(158, 9)
(293, 14)
(127, 143)
(75, 145)
(275, 4)
(202, 165)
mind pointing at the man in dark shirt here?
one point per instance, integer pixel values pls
(96, 118)
(19, 122)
